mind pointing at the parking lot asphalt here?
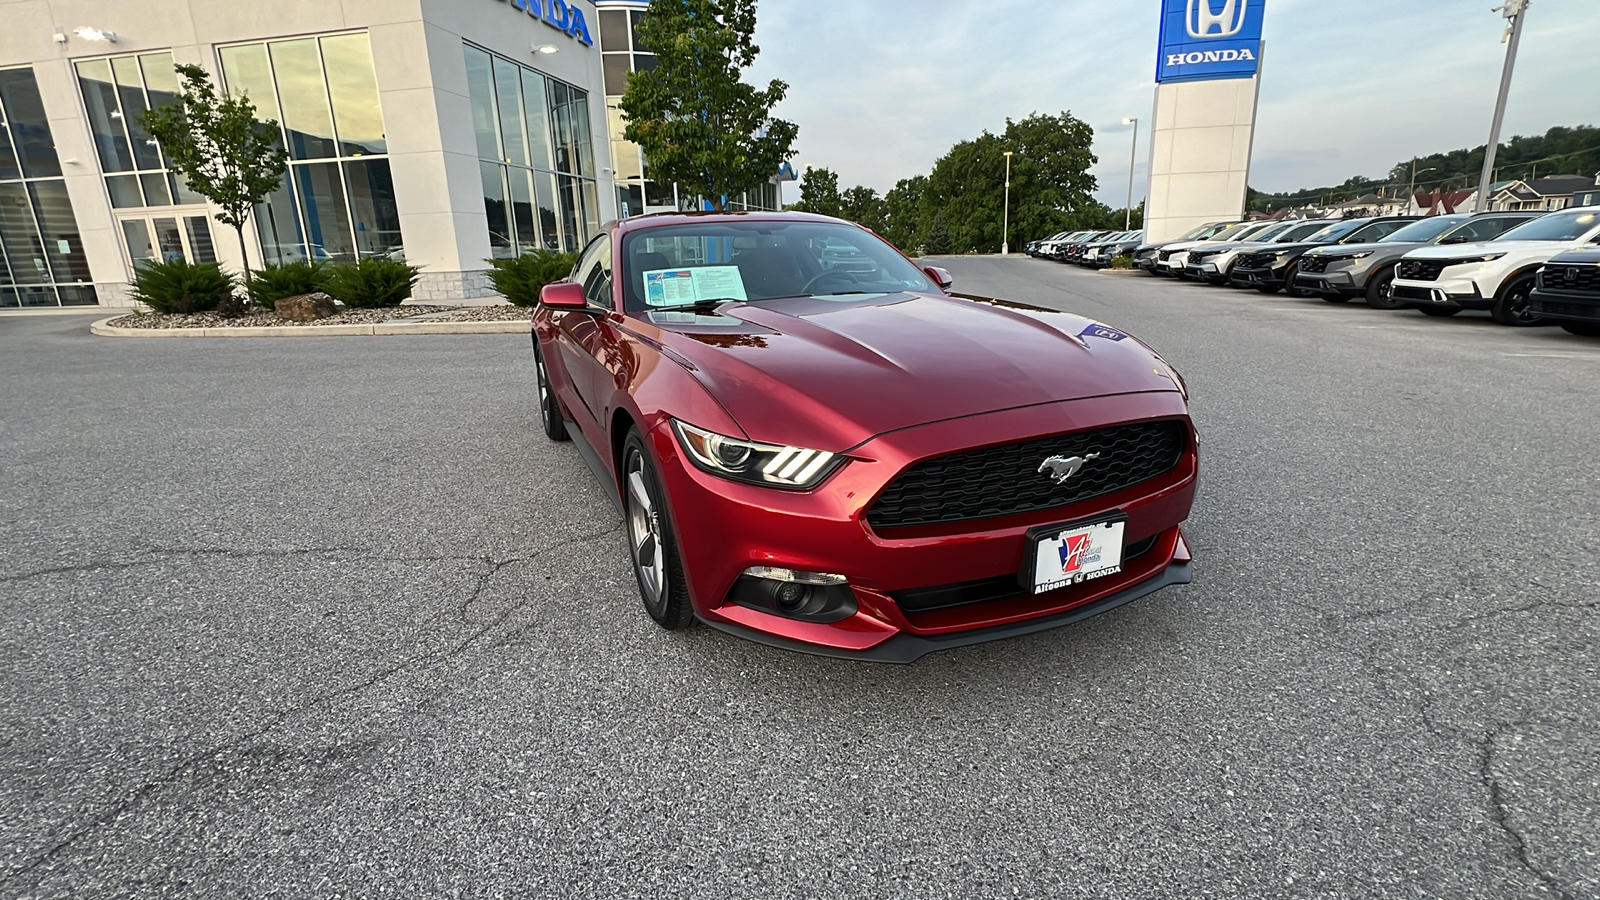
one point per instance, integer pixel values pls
(289, 618)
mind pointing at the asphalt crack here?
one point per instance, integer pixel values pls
(1501, 813)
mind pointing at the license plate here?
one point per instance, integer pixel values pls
(1062, 555)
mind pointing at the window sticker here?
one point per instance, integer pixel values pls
(679, 287)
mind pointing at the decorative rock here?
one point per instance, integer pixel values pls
(305, 307)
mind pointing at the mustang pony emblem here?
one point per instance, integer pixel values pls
(1062, 468)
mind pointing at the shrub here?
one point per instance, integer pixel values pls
(1122, 262)
(520, 278)
(371, 283)
(274, 282)
(179, 286)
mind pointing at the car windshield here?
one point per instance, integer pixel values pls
(1333, 232)
(1554, 227)
(1423, 231)
(1233, 232)
(1263, 231)
(1204, 231)
(758, 259)
(1301, 232)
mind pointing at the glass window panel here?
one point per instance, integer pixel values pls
(198, 228)
(617, 68)
(5, 268)
(137, 235)
(8, 160)
(155, 189)
(508, 91)
(8, 298)
(525, 231)
(582, 143)
(560, 114)
(494, 206)
(549, 222)
(278, 225)
(124, 190)
(614, 29)
(480, 88)
(248, 74)
(625, 156)
(327, 219)
(63, 246)
(105, 115)
(169, 240)
(591, 208)
(181, 195)
(538, 110)
(630, 200)
(30, 130)
(20, 236)
(645, 62)
(657, 194)
(303, 95)
(38, 296)
(130, 91)
(571, 212)
(78, 295)
(354, 88)
(372, 206)
(616, 120)
(637, 44)
(160, 79)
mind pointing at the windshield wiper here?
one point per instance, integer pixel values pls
(702, 305)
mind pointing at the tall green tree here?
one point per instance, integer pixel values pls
(220, 149)
(863, 206)
(699, 124)
(819, 192)
(903, 211)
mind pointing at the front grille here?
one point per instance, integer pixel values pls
(1314, 265)
(1166, 254)
(1198, 256)
(1420, 269)
(1559, 277)
(1586, 311)
(1255, 261)
(1145, 254)
(1002, 481)
(1407, 292)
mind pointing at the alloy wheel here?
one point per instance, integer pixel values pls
(644, 535)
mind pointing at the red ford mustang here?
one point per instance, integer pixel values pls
(813, 445)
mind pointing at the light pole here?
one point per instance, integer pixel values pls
(1411, 194)
(1133, 155)
(1514, 11)
(1005, 227)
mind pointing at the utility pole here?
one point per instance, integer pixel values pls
(1412, 193)
(1005, 227)
(1515, 12)
(1133, 156)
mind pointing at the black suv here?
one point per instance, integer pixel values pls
(1568, 292)
(1268, 270)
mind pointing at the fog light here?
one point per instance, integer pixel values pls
(811, 596)
(791, 596)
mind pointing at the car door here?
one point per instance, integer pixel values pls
(583, 336)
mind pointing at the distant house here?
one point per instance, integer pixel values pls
(1589, 197)
(1548, 193)
(1368, 205)
(1441, 203)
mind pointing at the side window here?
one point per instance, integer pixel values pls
(594, 273)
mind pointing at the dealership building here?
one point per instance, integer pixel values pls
(444, 132)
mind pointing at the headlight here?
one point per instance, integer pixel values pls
(769, 465)
(1362, 255)
(1487, 257)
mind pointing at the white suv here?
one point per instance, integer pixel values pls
(1495, 275)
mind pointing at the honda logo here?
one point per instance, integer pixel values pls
(1204, 21)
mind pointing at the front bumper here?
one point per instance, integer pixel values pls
(1445, 292)
(724, 528)
(1328, 283)
(1566, 306)
(1265, 277)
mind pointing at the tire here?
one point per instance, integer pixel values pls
(652, 545)
(1512, 304)
(1288, 283)
(555, 427)
(1439, 312)
(1581, 329)
(1380, 290)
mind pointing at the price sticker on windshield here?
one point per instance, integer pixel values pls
(681, 287)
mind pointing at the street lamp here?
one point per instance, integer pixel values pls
(1411, 195)
(1133, 156)
(1005, 227)
(1515, 11)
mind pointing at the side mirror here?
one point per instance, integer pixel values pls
(939, 276)
(563, 295)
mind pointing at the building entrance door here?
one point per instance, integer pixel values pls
(167, 236)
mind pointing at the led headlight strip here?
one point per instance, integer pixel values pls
(771, 465)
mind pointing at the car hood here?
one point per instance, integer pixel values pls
(1389, 248)
(1485, 248)
(831, 373)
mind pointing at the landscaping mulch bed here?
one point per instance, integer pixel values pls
(260, 318)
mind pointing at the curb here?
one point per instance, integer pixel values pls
(103, 329)
(1110, 271)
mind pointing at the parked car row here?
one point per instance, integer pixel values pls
(1523, 267)
(1095, 249)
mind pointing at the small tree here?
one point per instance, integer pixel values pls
(219, 148)
(819, 193)
(697, 122)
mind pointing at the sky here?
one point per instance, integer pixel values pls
(883, 88)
